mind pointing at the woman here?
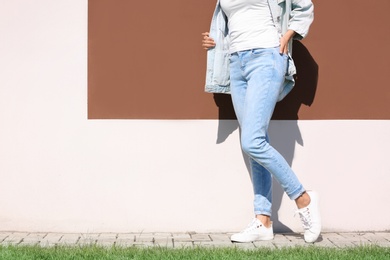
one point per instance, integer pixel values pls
(249, 46)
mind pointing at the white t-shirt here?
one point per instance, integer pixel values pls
(250, 24)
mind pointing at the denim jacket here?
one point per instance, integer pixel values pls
(296, 15)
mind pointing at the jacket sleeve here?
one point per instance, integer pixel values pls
(302, 15)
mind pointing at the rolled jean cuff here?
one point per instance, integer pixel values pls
(262, 212)
(297, 193)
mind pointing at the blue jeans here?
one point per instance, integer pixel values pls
(257, 78)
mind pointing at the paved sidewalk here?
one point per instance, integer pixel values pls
(189, 239)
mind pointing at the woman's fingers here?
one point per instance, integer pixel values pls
(207, 42)
(285, 40)
(283, 49)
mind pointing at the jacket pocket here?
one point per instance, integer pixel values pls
(221, 75)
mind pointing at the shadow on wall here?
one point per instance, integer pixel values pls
(282, 139)
(305, 87)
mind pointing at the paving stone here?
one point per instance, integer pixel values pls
(106, 239)
(375, 239)
(163, 239)
(28, 243)
(162, 235)
(200, 237)
(280, 240)
(124, 243)
(3, 235)
(294, 238)
(181, 237)
(33, 238)
(108, 236)
(14, 238)
(330, 235)
(385, 235)
(280, 237)
(69, 239)
(341, 241)
(298, 240)
(144, 237)
(335, 236)
(51, 239)
(324, 242)
(220, 237)
(126, 237)
(88, 239)
(125, 240)
(355, 238)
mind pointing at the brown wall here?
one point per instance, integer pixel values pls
(145, 61)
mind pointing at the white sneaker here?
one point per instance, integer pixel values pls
(311, 219)
(255, 231)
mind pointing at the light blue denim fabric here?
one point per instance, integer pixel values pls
(296, 15)
(257, 78)
(217, 73)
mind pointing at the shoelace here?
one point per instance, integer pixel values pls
(305, 216)
(253, 225)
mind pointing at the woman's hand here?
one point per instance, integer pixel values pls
(207, 42)
(284, 41)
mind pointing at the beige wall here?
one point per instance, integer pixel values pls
(60, 171)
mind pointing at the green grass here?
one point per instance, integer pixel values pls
(95, 252)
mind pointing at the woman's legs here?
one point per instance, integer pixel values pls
(262, 188)
(257, 78)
